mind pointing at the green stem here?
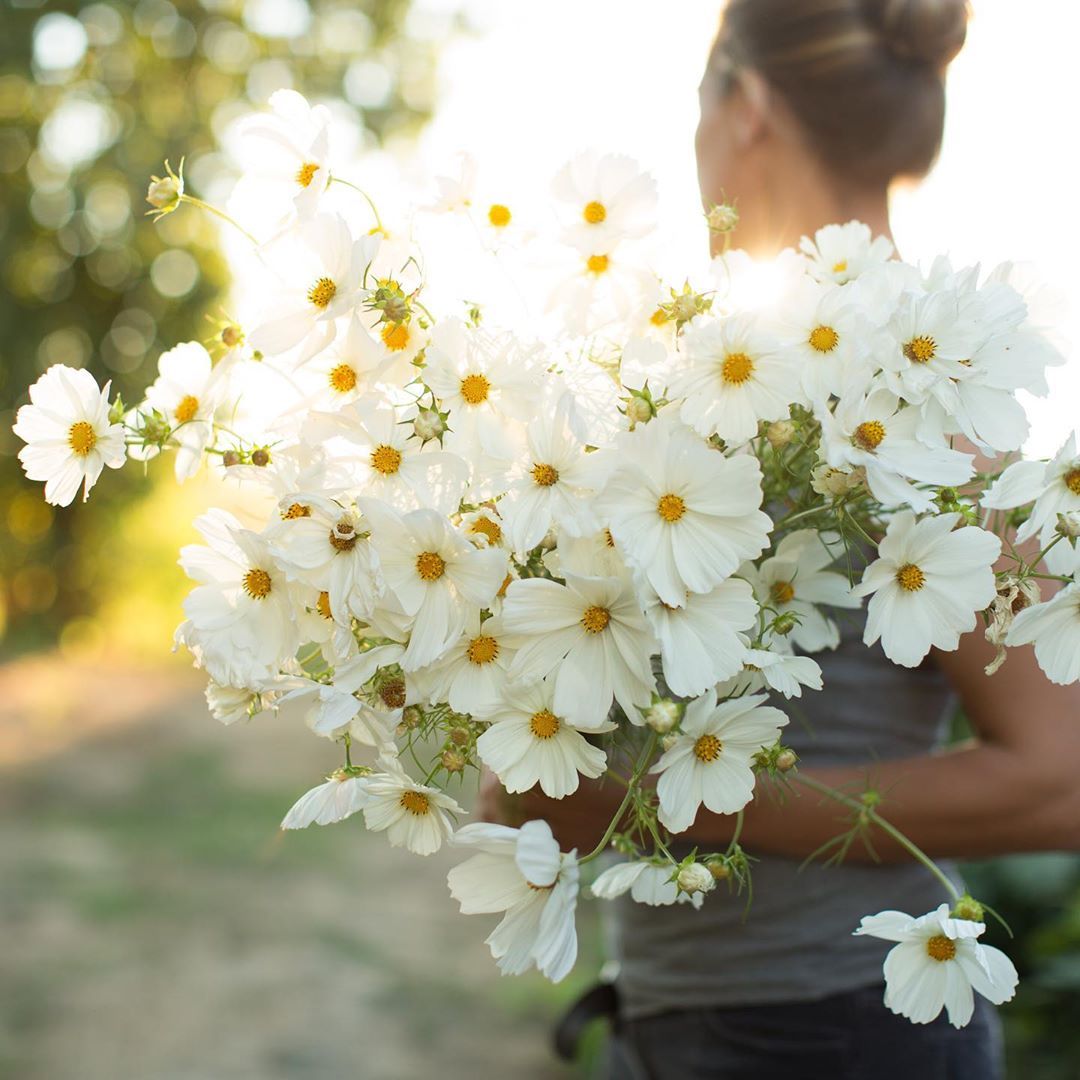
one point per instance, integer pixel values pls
(631, 789)
(219, 213)
(890, 830)
(367, 199)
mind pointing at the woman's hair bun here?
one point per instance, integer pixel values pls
(929, 32)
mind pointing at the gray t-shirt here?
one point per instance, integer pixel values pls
(795, 943)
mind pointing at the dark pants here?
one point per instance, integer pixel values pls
(849, 1036)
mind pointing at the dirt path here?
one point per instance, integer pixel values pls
(157, 926)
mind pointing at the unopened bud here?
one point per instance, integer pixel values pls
(663, 716)
(826, 480)
(638, 410)
(260, 457)
(165, 193)
(1068, 525)
(429, 425)
(410, 717)
(722, 218)
(967, 907)
(719, 868)
(780, 433)
(695, 878)
(784, 624)
(230, 458)
(459, 736)
(231, 336)
(454, 761)
(786, 760)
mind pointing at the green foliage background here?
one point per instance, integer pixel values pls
(87, 280)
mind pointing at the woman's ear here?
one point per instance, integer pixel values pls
(751, 106)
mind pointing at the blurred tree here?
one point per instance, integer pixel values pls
(92, 97)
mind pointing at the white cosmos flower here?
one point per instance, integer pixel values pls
(345, 371)
(340, 797)
(239, 617)
(840, 253)
(591, 633)
(551, 488)
(67, 432)
(1054, 629)
(937, 963)
(796, 579)
(700, 642)
(601, 288)
(605, 198)
(648, 882)
(436, 575)
(471, 675)
(769, 669)
(828, 337)
(528, 743)
(1054, 488)
(733, 375)
(523, 873)
(684, 515)
(319, 269)
(709, 762)
(287, 151)
(486, 382)
(881, 435)
(587, 556)
(326, 548)
(390, 464)
(927, 584)
(413, 815)
(187, 393)
(228, 704)
(931, 338)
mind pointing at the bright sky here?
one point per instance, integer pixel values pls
(540, 82)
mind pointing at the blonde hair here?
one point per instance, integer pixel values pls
(864, 78)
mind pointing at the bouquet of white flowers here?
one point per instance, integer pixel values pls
(608, 549)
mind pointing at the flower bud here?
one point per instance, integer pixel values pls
(722, 218)
(718, 867)
(638, 410)
(1068, 525)
(454, 761)
(410, 717)
(786, 760)
(230, 458)
(780, 433)
(784, 624)
(663, 716)
(231, 336)
(260, 457)
(967, 907)
(695, 878)
(826, 480)
(459, 736)
(429, 424)
(165, 193)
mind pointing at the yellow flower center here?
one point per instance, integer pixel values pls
(257, 584)
(595, 212)
(322, 605)
(295, 510)
(488, 528)
(736, 368)
(824, 338)
(395, 336)
(430, 566)
(82, 438)
(475, 389)
(343, 536)
(343, 378)
(941, 948)
(595, 619)
(670, 508)
(386, 460)
(658, 317)
(707, 748)
(306, 173)
(868, 435)
(416, 802)
(609, 540)
(1072, 480)
(910, 578)
(921, 349)
(782, 592)
(482, 650)
(322, 292)
(545, 475)
(597, 264)
(499, 215)
(544, 724)
(186, 410)
(840, 267)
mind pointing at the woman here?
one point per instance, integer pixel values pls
(810, 110)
